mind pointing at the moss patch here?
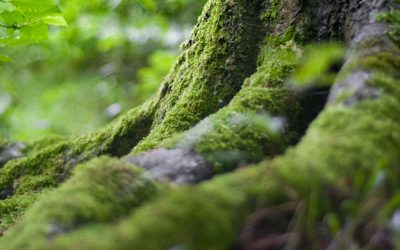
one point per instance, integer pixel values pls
(343, 141)
(216, 59)
(13, 208)
(46, 166)
(99, 191)
(251, 126)
(38, 145)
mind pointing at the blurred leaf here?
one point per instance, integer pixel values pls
(4, 58)
(333, 223)
(150, 5)
(37, 6)
(55, 20)
(316, 65)
(7, 6)
(112, 52)
(34, 33)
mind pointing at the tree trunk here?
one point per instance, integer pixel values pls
(335, 189)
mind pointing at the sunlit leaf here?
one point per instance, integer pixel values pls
(316, 66)
(7, 6)
(55, 20)
(4, 58)
(34, 33)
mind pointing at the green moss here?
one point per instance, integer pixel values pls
(209, 72)
(247, 108)
(28, 184)
(95, 208)
(343, 141)
(372, 56)
(47, 166)
(272, 13)
(13, 208)
(393, 18)
(208, 216)
(99, 191)
(217, 58)
(34, 164)
(57, 160)
(277, 61)
(174, 220)
(385, 61)
(243, 131)
(38, 145)
(240, 133)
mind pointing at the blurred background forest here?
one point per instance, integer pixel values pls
(112, 56)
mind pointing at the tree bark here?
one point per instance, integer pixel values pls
(334, 182)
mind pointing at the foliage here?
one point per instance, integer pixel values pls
(111, 57)
(26, 21)
(318, 65)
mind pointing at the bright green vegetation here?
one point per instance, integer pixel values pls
(244, 130)
(24, 22)
(12, 209)
(209, 72)
(393, 17)
(101, 190)
(112, 56)
(55, 161)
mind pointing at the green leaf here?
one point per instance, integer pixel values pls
(6, 7)
(316, 65)
(12, 18)
(55, 20)
(35, 33)
(28, 34)
(35, 5)
(4, 58)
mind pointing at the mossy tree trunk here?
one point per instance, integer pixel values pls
(320, 190)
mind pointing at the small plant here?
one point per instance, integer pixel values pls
(27, 21)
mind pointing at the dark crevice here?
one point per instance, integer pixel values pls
(312, 101)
